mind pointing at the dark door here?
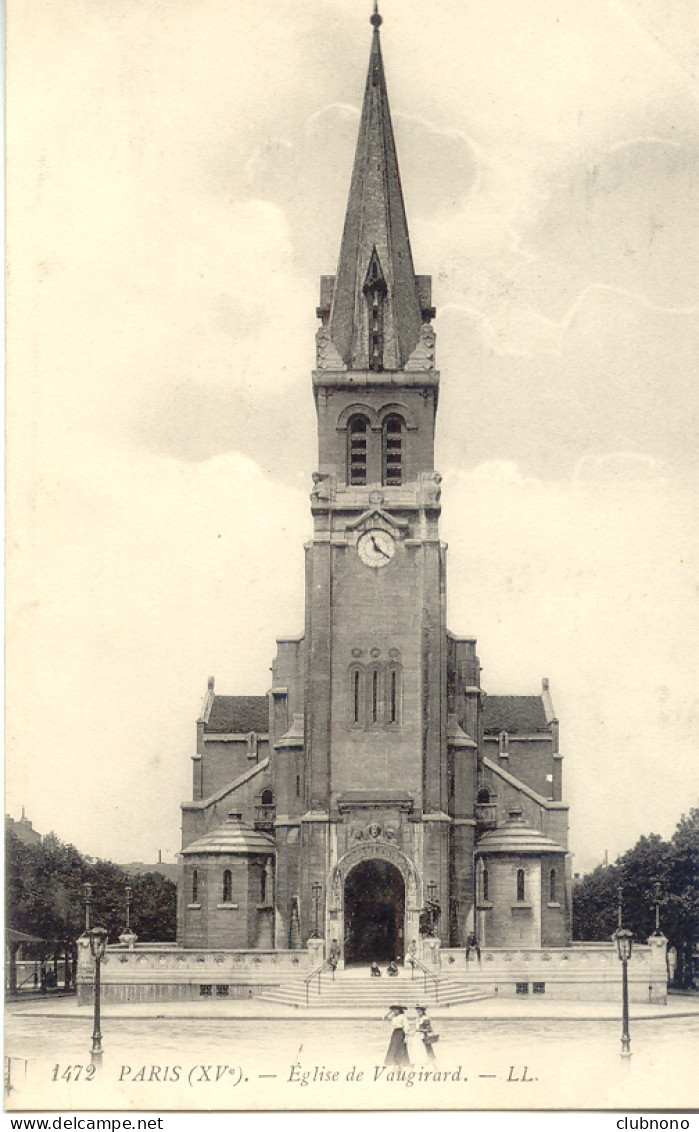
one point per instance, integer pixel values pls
(374, 912)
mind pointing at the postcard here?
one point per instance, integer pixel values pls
(352, 539)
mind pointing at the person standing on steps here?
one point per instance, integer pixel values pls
(334, 956)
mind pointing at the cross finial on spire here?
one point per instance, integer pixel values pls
(376, 19)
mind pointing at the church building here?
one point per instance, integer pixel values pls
(375, 796)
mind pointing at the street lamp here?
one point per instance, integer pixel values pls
(657, 892)
(87, 889)
(98, 947)
(624, 943)
(317, 888)
(431, 903)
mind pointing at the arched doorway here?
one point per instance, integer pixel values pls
(374, 912)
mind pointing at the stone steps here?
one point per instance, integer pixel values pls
(374, 995)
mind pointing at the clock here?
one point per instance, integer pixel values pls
(376, 547)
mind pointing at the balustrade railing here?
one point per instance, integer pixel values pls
(417, 963)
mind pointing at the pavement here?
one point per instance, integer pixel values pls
(66, 1007)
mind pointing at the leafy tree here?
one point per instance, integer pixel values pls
(154, 903)
(45, 896)
(674, 864)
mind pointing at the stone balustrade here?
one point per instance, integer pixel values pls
(581, 971)
(164, 971)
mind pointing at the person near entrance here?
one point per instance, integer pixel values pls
(397, 1052)
(392, 968)
(334, 956)
(375, 970)
(472, 944)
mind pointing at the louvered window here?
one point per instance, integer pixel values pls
(393, 451)
(357, 437)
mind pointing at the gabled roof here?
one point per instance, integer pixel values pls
(375, 234)
(239, 714)
(523, 714)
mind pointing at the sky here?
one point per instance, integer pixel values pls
(177, 180)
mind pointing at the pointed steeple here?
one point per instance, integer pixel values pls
(377, 303)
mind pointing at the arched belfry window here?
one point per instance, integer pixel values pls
(357, 438)
(267, 798)
(227, 886)
(374, 695)
(393, 693)
(552, 886)
(356, 694)
(195, 886)
(375, 290)
(392, 454)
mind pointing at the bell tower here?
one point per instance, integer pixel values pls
(375, 704)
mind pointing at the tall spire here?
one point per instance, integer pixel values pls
(375, 317)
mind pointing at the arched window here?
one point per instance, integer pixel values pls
(298, 785)
(195, 886)
(520, 886)
(552, 886)
(263, 885)
(392, 454)
(374, 695)
(393, 692)
(484, 884)
(356, 696)
(357, 438)
(267, 798)
(227, 887)
(483, 797)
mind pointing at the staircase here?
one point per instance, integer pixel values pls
(355, 989)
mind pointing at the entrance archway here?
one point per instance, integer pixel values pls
(374, 912)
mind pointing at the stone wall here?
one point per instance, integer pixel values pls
(162, 972)
(587, 971)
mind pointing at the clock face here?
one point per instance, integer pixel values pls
(376, 547)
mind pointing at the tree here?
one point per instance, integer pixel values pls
(675, 865)
(45, 895)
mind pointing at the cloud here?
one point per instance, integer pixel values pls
(591, 583)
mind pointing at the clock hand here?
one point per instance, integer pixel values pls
(377, 547)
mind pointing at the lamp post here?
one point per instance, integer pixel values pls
(432, 899)
(317, 888)
(87, 889)
(624, 943)
(98, 946)
(657, 892)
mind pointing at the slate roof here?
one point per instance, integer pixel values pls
(513, 836)
(234, 836)
(239, 714)
(523, 714)
(375, 227)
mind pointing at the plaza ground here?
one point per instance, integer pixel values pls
(249, 1055)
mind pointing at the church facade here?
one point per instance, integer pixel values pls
(375, 795)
